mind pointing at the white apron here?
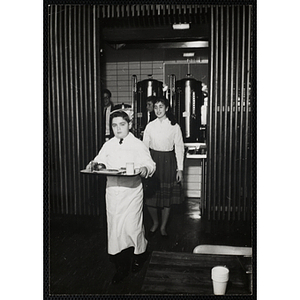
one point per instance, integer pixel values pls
(124, 195)
(124, 208)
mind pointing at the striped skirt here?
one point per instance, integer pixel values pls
(167, 190)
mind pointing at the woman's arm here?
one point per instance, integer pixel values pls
(146, 137)
(179, 175)
(179, 148)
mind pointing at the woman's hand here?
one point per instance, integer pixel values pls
(143, 171)
(179, 176)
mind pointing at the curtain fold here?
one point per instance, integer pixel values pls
(230, 130)
(74, 106)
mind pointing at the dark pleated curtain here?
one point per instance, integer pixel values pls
(73, 110)
(230, 130)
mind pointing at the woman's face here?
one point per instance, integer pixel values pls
(120, 127)
(160, 110)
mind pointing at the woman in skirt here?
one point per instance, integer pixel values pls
(164, 138)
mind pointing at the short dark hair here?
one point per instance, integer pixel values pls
(164, 100)
(119, 113)
(151, 99)
(106, 91)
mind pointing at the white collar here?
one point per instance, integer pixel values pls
(125, 138)
(166, 120)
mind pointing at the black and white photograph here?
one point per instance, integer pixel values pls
(150, 140)
(149, 150)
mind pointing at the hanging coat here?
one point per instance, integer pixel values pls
(124, 195)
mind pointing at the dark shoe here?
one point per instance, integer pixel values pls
(122, 261)
(138, 262)
(119, 276)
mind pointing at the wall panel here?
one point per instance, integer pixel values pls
(73, 107)
(229, 176)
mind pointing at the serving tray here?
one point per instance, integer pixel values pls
(111, 172)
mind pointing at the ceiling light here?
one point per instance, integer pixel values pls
(181, 26)
(195, 44)
(189, 54)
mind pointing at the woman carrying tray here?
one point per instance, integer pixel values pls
(124, 195)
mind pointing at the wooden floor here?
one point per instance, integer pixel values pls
(79, 263)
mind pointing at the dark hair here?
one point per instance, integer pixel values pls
(151, 99)
(106, 91)
(119, 113)
(169, 113)
(121, 106)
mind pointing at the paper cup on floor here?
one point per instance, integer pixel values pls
(219, 276)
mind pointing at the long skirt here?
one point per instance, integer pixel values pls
(166, 190)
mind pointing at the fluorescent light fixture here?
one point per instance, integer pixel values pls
(181, 26)
(195, 44)
(189, 54)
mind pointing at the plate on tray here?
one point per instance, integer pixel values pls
(112, 172)
(109, 172)
(104, 172)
